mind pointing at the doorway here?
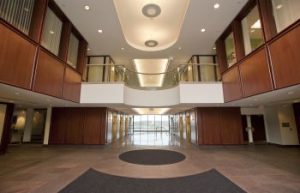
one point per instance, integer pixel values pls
(28, 126)
(258, 125)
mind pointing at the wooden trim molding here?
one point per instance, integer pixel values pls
(37, 20)
(268, 22)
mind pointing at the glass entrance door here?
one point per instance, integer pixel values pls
(151, 123)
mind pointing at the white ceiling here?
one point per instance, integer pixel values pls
(102, 15)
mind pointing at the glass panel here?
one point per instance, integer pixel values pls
(51, 32)
(144, 122)
(73, 50)
(165, 122)
(252, 31)
(18, 13)
(157, 122)
(151, 124)
(230, 50)
(2, 117)
(285, 12)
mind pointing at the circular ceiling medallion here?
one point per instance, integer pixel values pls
(151, 43)
(151, 10)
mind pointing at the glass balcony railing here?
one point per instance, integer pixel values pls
(100, 73)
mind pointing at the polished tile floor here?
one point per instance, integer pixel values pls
(256, 169)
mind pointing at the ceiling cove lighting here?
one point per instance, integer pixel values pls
(151, 66)
(151, 111)
(145, 20)
(256, 25)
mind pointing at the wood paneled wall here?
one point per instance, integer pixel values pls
(72, 85)
(273, 65)
(256, 74)
(26, 64)
(49, 75)
(285, 58)
(232, 84)
(17, 57)
(219, 126)
(78, 126)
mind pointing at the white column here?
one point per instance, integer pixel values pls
(47, 126)
(249, 129)
(28, 125)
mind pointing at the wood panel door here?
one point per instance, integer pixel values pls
(72, 85)
(231, 126)
(17, 59)
(74, 128)
(49, 75)
(285, 58)
(255, 74)
(232, 84)
(92, 126)
(210, 126)
(58, 126)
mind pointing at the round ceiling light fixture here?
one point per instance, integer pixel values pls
(151, 43)
(151, 10)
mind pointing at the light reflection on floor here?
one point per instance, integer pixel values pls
(152, 139)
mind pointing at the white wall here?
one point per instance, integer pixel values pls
(120, 94)
(201, 93)
(102, 93)
(274, 117)
(152, 98)
(289, 135)
(2, 118)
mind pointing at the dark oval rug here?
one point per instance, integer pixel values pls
(152, 157)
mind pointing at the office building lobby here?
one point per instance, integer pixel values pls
(149, 96)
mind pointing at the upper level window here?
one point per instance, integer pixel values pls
(18, 13)
(252, 31)
(73, 50)
(51, 32)
(230, 50)
(285, 12)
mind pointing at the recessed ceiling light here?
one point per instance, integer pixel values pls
(86, 7)
(122, 48)
(279, 6)
(214, 48)
(88, 49)
(26, 9)
(179, 48)
(51, 32)
(216, 5)
(151, 43)
(100, 31)
(17, 93)
(151, 10)
(203, 30)
(290, 92)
